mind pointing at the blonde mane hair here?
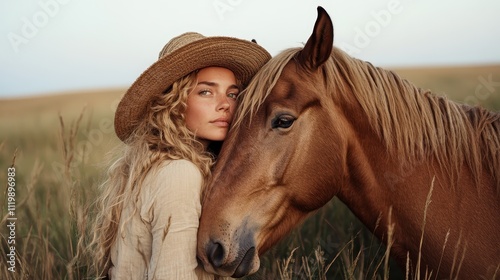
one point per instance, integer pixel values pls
(161, 136)
(410, 121)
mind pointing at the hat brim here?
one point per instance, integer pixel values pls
(242, 57)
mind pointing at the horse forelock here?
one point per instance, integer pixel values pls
(261, 86)
(413, 123)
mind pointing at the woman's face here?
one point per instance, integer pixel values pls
(210, 106)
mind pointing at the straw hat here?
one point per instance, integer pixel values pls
(181, 56)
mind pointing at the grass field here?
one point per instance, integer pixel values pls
(59, 143)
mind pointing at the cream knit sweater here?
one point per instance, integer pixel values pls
(158, 241)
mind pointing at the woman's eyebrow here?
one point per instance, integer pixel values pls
(213, 84)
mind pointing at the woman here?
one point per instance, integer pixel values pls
(169, 120)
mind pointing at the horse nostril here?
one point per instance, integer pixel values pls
(215, 253)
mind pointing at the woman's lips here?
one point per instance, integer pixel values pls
(222, 122)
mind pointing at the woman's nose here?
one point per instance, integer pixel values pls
(223, 102)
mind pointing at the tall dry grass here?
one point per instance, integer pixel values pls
(60, 146)
(51, 214)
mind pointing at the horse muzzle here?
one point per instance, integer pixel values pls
(221, 261)
(230, 251)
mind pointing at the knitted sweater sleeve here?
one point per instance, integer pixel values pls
(172, 208)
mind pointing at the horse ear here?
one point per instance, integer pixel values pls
(319, 45)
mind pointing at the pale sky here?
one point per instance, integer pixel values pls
(50, 46)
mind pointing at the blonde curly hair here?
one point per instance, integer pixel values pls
(161, 136)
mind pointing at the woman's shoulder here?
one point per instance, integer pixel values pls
(178, 165)
(168, 185)
(177, 169)
(172, 176)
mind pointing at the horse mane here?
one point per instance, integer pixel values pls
(412, 122)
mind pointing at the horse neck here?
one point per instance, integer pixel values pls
(390, 178)
(380, 177)
(392, 196)
(381, 189)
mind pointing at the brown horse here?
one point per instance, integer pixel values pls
(316, 123)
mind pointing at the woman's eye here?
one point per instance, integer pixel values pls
(283, 121)
(205, 92)
(232, 95)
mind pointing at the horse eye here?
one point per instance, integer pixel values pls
(282, 121)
